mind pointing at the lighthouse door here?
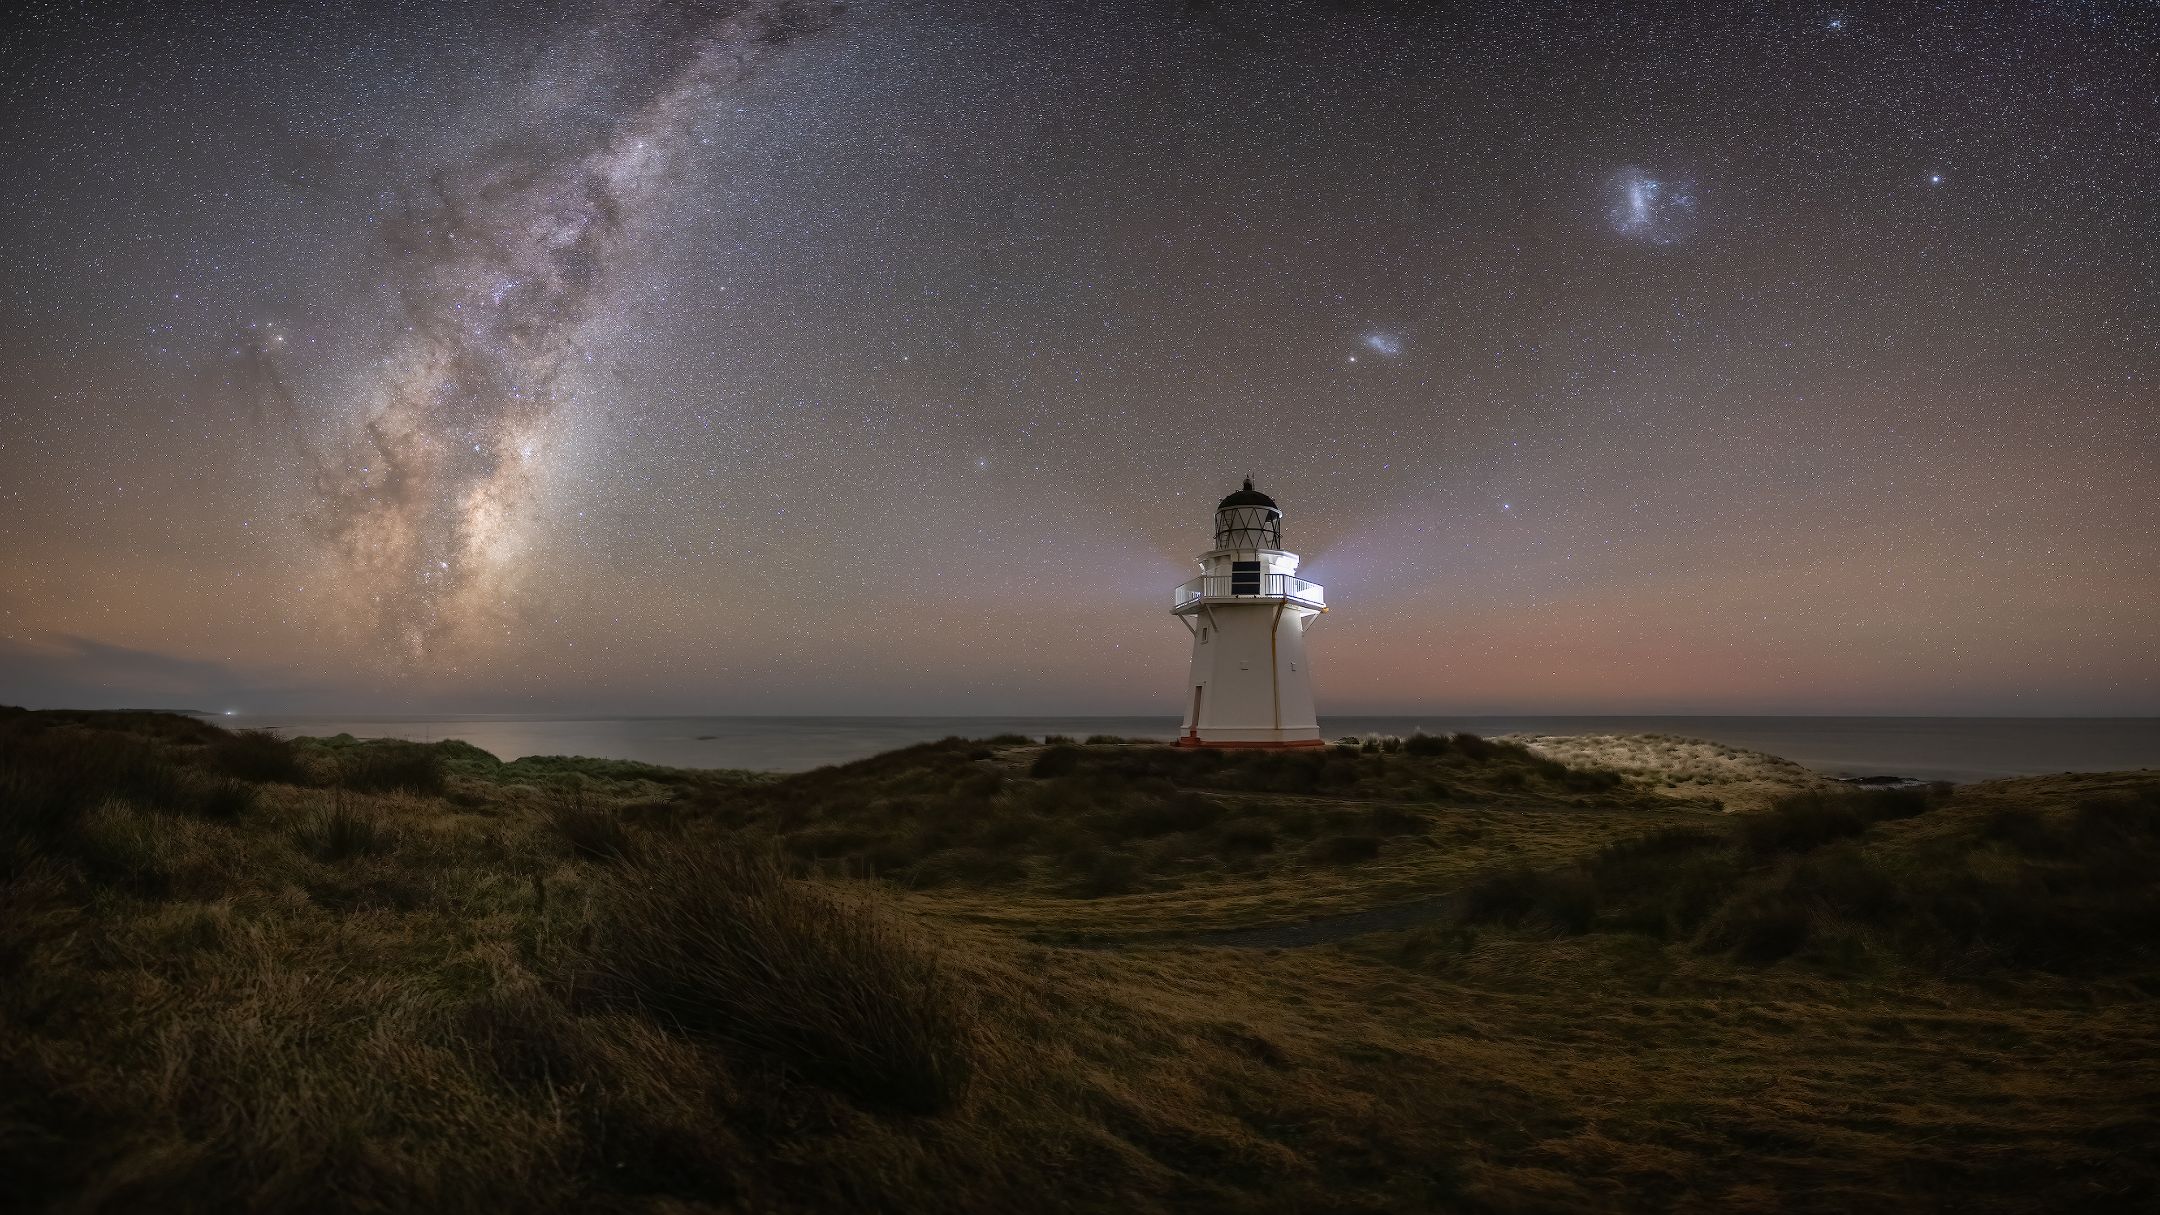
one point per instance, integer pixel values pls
(1193, 730)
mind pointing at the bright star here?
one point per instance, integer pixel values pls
(1934, 179)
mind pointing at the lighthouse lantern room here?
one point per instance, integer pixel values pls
(1248, 610)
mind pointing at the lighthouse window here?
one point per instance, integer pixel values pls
(1244, 577)
(1203, 634)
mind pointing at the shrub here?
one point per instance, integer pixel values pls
(1427, 744)
(1104, 740)
(1057, 740)
(258, 755)
(723, 947)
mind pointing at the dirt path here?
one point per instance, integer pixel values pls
(1320, 930)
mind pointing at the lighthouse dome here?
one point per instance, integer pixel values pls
(1248, 519)
(1247, 496)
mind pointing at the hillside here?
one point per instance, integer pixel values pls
(240, 973)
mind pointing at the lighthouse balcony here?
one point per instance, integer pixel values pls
(1239, 587)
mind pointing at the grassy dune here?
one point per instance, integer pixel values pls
(244, 974)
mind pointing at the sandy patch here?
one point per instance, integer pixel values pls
(1693, 768)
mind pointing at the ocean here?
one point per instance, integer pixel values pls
(1925, 748)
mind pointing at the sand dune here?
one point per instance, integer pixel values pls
(1692, 768)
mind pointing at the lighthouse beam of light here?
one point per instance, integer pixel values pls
(497, 267)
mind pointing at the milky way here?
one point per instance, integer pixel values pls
(497, 267)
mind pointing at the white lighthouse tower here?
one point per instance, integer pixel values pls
(1250, 684)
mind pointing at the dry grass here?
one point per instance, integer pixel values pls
(466, 1006)
(722, 945)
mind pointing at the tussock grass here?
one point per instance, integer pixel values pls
(343, 829)
(717, 943)
(1103, 821)
(1841, 880)
(259, 756)
(590, 826)
(389, 766)
(458, 1008)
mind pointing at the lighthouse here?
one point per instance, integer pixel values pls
(1250, 684)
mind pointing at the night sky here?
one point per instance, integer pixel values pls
(891, 359)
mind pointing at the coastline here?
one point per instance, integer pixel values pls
(1961, 750)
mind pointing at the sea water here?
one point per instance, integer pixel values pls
(1925, 748)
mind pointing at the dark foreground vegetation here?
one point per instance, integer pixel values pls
(244, 974)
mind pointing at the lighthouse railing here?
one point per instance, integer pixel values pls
(1247, 586)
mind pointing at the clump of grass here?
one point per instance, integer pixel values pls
(722, 946)
(342, 831)
(1804, 821)
(391, 766)
(260, 756)
(589, 826)
(226, 798)
(1477, 747)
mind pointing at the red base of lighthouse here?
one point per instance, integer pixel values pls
(1193, 740)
